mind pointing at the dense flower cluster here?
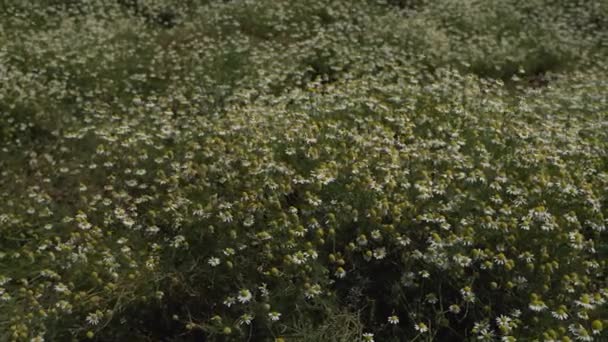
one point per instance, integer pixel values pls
(322, 170)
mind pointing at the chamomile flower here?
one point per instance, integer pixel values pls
(585, 301)
(393, 319)
(597, 327)
(340, 273)
(312, 291)
(94, 318)
(213, 261)
(245, 319)
(380, 253)
(580, 333)
(274, 316)
(244, 296)
(229, 301)
(504, 322)
(264, 292)
(62, 288)
(467, 294)
(561, 313)
(536, 304)
(362, 240)
(421, 327)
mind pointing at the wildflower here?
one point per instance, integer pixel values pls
(503, 320)
(64, 305)
(455, 309)
(213, 261)
(264, 290)
(505, 324)
(560, 313)
(362, 240)
(421, 327)
(245, 319)
(62, 288)
(340, 273)
(393, 319)
(274, 316)
(431, 298)
(178, 241)
(380, 253)
(244, 296)
(461, 260)
(225, 216)
(249, 221)
(368, 337)
(403, 241)
(500, 259)
(585, 302)
(527, 257)
(486, 335)
(94, 318)
(84, 225)
(229, 301)
(467, 295)
(580, 333)
(596, 327)
(583, 314)
(299, 258)
(313, 291)
(536, 304)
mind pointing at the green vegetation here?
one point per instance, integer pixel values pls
(315, 170)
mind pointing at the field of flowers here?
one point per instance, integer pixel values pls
(313, 170)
